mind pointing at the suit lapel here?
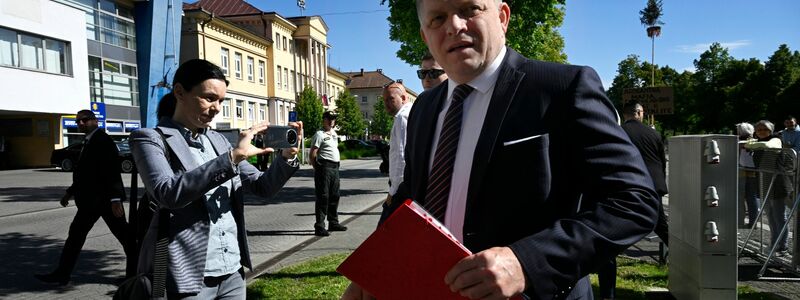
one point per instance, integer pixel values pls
(179, 147)
(220, 145)
(505, 90)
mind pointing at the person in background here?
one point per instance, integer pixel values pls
(396, 102)
(98, 191)
(748, 181)
(790, 135)
(194, 174)
(324, 157)
(781, 196)
(430, 72)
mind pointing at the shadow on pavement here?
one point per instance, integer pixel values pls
(31, 194)
(346, 174)
(344, 214)
(279, 232)
(301, 194)
(25, 254)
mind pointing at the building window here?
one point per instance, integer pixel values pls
(261, 67)
(239, 109)
(223, 58)
(285, 44)
(262, 112)
(23, 50)
(250, 71)
(251, 107)
(237, 64)
(291, 46)
(109, 22)
(113, 82)
(286, 79)
(278, 41)
(292, 82)
(226, 108)
(364, 99)
(278, 78)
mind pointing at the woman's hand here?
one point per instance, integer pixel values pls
(245, 148)
(292, 152)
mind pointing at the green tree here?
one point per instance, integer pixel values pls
(780, 72)
(650, 16)
(532, 29)
(708, 87)
(309, 110)
(381, 121)
(350, 120)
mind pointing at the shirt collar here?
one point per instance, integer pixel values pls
(403, 108)
(486, 80)
(91, 134)
(191, 139)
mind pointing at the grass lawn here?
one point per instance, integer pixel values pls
(317, 279)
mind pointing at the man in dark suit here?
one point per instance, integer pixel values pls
(526, 164)
(651, 148)
(98, 191)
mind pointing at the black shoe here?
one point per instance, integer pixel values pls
(52, 278)
(321, 232)
(337, 227)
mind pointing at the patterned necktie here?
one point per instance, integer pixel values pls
(440, 178)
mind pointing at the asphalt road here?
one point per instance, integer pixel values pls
(33, 227)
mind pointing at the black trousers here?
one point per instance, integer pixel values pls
(326, 183)
(88, 214)
(607, 274)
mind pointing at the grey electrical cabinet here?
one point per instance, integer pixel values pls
(702, 216)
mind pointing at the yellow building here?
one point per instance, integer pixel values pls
(337, 82)
(243, 57)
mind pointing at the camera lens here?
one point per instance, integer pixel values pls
(291, 136)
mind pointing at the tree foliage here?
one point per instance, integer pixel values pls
(309, 110)
(532, 29)
(381, 121)
(722, 90)
(650, 15)
(350, 120)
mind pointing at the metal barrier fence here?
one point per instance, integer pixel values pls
(775, 178)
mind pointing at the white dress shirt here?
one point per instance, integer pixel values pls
(397, 146)
(475, 107)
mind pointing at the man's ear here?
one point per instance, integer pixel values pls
(505, 15)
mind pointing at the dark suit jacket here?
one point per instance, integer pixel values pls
(565, 201)
(97, 178)
(649, 143)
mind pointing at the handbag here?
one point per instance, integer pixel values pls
(141, 286)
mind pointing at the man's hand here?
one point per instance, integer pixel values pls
(388, 200)
(355, 292)
(118, 209)
(65, 199)
(491, 274)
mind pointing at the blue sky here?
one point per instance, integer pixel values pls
(597, 33)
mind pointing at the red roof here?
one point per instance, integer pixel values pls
(224, 7)
(369, 79)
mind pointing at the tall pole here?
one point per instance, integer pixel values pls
(652, 60)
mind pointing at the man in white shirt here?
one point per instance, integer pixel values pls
(396, 102)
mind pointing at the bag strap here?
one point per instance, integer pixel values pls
(162, 236)
(161, 255)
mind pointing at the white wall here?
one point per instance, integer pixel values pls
(32, 91)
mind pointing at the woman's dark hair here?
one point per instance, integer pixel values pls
(188, 75)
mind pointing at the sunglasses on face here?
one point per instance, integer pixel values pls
(430, 73)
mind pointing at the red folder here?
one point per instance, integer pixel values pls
(406, 257)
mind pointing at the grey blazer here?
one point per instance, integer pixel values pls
(179, 184)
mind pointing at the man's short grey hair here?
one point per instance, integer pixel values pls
(768, 124)
(745, 130)
(419, 3)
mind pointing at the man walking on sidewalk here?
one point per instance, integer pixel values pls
(324, 157)
(98, 190)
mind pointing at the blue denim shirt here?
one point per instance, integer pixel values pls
(223, 255)
(791, 137)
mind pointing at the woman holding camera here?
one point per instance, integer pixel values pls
(194, 174)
